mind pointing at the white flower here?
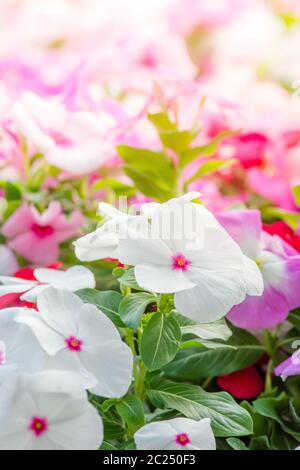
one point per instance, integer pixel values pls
(73, 279)
(47, 411)
(188, 253)
(176, 434)
(19, 349)
(8, 262)
(82, 339)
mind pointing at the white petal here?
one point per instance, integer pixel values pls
(50, 340)
(253, 278)
(154, 436)
(74, 278)
(59, 309)
(162, 279)
(136, 250)
(82, 432)
(15, 285)
(212, 298)
(96, 245)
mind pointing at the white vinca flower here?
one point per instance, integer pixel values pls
(176, 434)
(187, 252)
(81, 338)
(73, 279)
(19, 349)
(48, 410)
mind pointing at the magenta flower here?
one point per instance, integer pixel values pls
(37, 236)
(279, 264)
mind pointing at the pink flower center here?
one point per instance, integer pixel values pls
(180, 262)
(38, 425)
(60, 139)
(183, 439)
(42, 231)
(73, 343)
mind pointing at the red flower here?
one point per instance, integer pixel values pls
(243, 384)
(285, 232)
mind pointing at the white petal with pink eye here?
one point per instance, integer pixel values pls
(19, 349)
(8, 261)
(81, 338)
(48, 410)
(176, 434)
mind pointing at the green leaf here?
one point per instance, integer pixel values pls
(208, 331)
(170, 136)
(291, 218)
(236, 444)
(275, 408)
(119, 188)
(207, 150)
(113, 429)
(294, 319)
(211, 166)
(107, 446)
(12, 192)
(133, 306)
(296, 194)
(12, 206)
(132, 411)
(195, 364)
(227, 417)
(160, 341)
(107, 301)
(260, 443)
(152, 172)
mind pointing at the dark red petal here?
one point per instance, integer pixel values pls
(243, 384)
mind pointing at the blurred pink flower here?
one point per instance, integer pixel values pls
(279, 264)
(74, 142)
(37, 236)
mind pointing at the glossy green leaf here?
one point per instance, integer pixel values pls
(133, 306)
(160, 341)
(228, 419)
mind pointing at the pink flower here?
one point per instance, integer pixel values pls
(37, 236)
(290, 366)
(279, 264)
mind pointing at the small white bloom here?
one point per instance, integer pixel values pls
(19, 349)
(176, 434)
(47, 411)
(73, 279)
(82, 339)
